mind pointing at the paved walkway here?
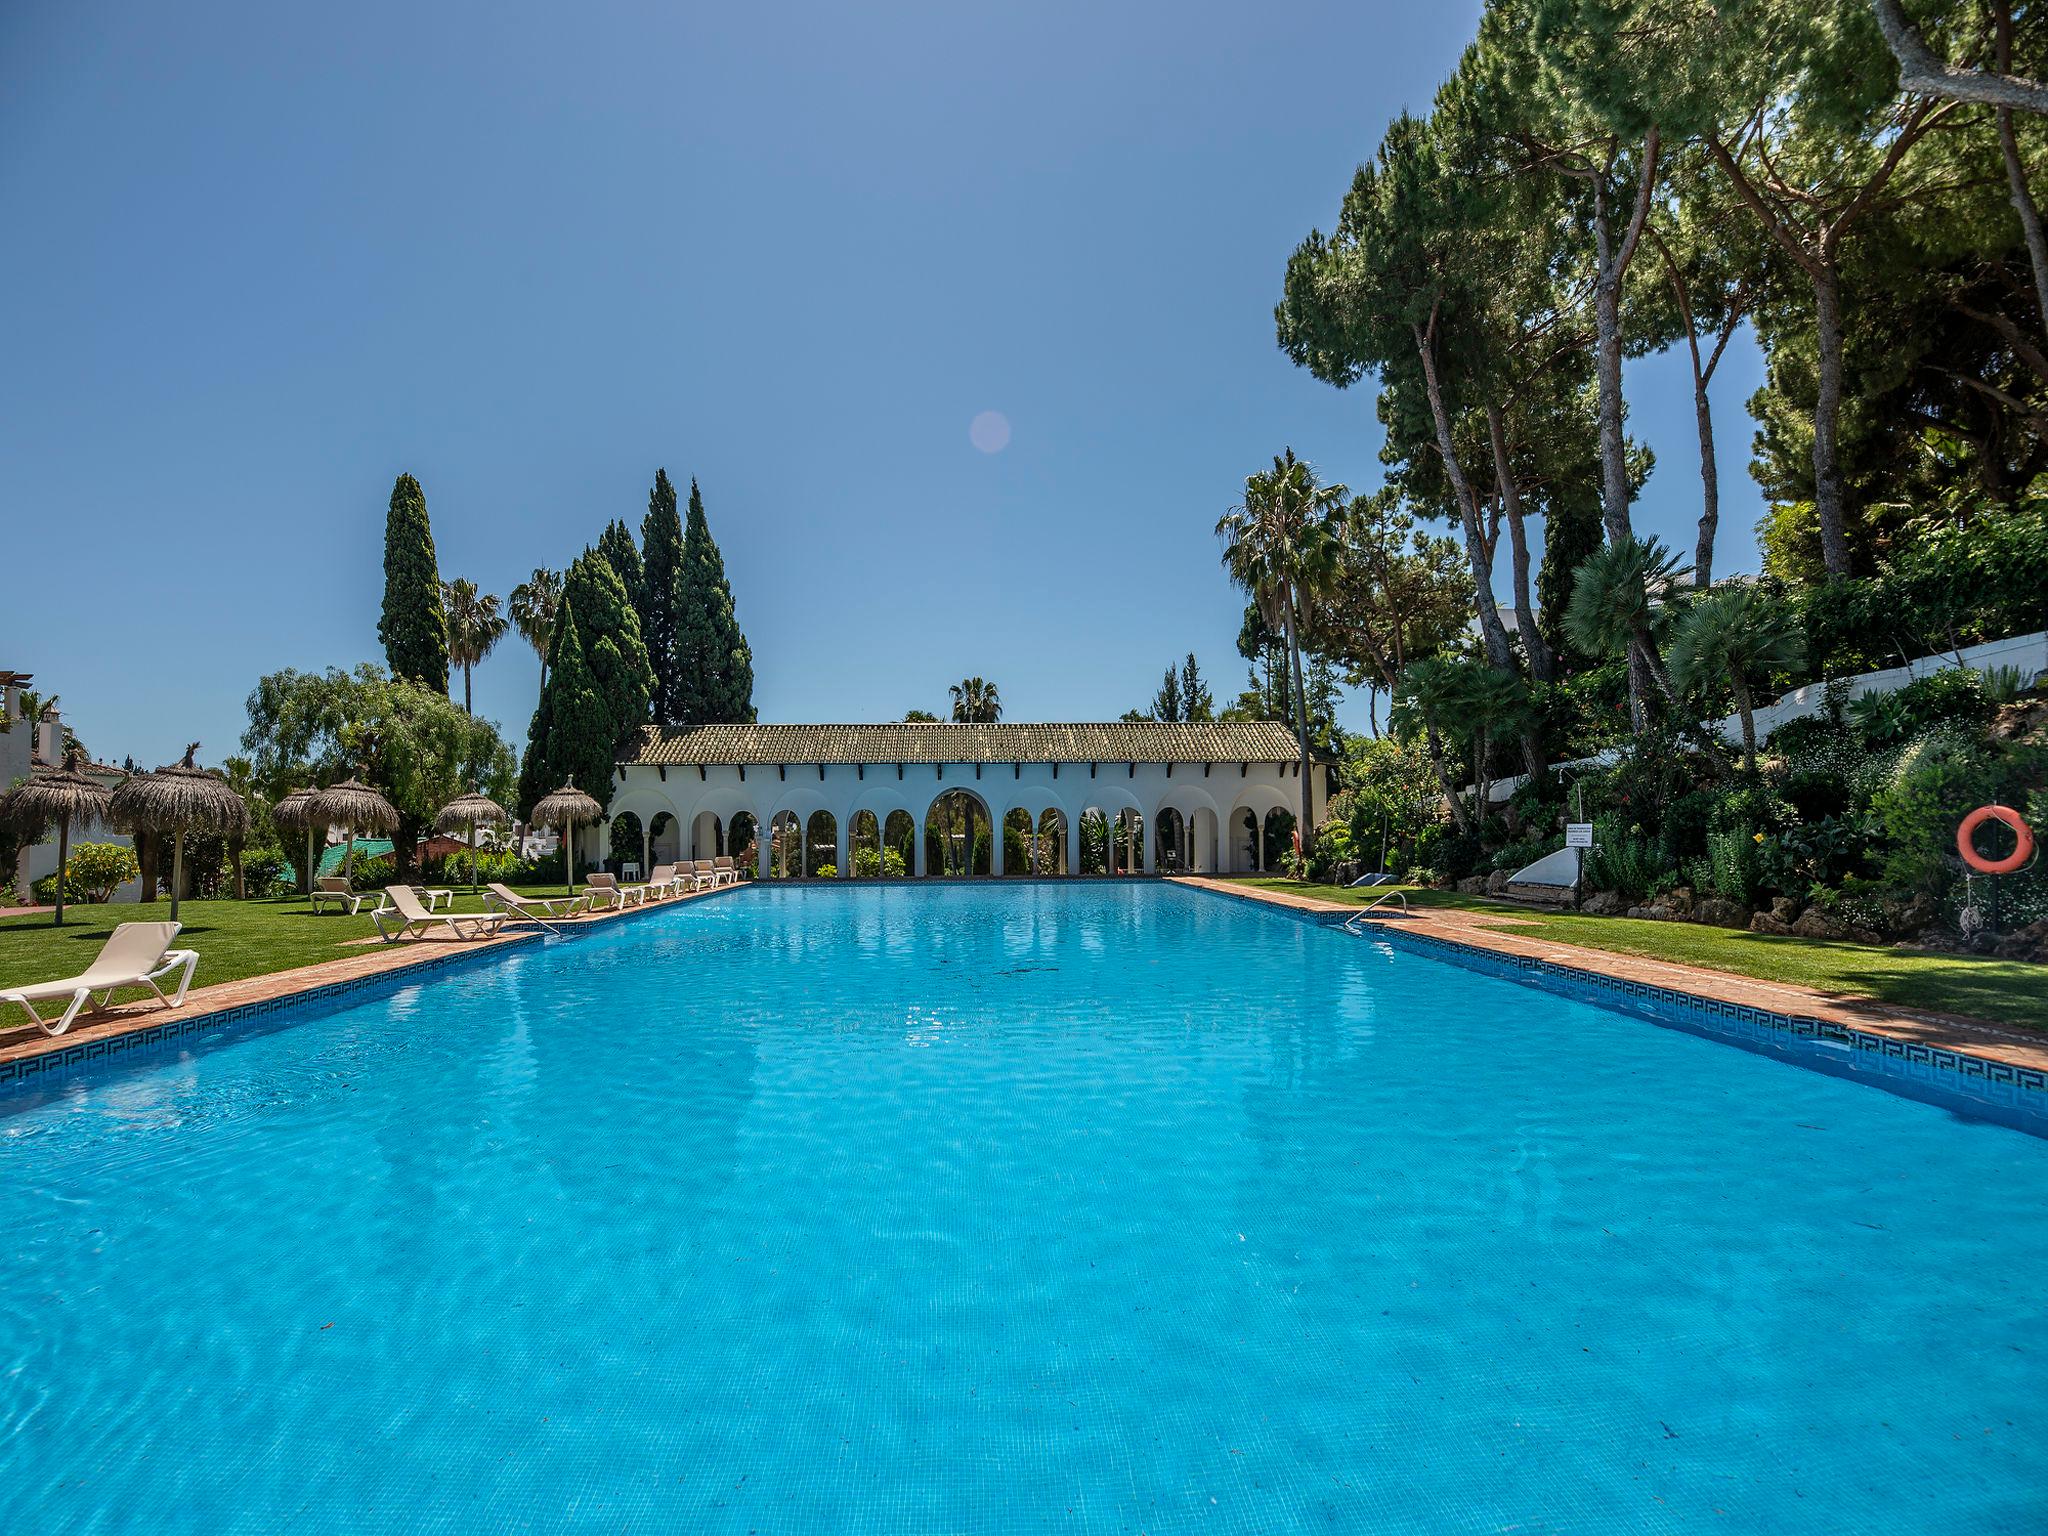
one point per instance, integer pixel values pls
(373, 958)
(1483, 930)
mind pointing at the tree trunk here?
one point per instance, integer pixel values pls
(1607, 371)
(241, 886)
(1533, 644)
(145, 861)
(1476, 552)
(1827, 414)
(1710, 482)
(1301, 723)
(466, 709)
(1742, 708)
(1435, 743)
(2024, 205)
(63, 860)
(177, 870)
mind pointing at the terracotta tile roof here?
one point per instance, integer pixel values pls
(1238, 741)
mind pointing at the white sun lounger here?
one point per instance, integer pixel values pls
(532, 909)
(605, 888)
(335, 891)
(407, 918)
(135, 955)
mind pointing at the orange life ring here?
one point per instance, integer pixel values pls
(2023, 838)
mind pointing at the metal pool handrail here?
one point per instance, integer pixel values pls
(1365, 911)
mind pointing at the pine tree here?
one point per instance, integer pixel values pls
(581, 742)
(414, 626)
(713, 662)
(661, 548)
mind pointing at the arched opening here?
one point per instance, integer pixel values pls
(1020, 843)
(1202, 841)
(785, 846)
(1052, 844)
(899, 845)
(1170, 850)
(664, 840)
(707, 837)
(958, 835)
(821, 846)
(628, 843)
(742, 837)
(1278, 839)
(864, 845)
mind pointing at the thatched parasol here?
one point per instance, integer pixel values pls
(60, 796)
(356, 808)
(294, 813)
(181, 798)
(467, 811)
(565, 808)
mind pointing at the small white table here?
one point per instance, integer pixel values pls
(435, 900)
(629, 869)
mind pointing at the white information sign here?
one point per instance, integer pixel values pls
(1578, 834)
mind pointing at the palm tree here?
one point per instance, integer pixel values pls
(533, 606)
(1492, 703)
(1426, 698)
(1280, 547)
(976, 702)
(474, 627)
(1617, 601)
(1733, 632)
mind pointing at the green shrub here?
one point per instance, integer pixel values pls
(267, 872)
(92, 873)
(1938, 780)
(1734, 865)
(1444, 848)
(1954, 694)
(1625, 858)
(372, 874)
(1518, 855)
(890, 864)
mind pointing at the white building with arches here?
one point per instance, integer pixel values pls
(811, 799)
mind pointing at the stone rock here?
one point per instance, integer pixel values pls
(1679, 900)
(1785, 909)
(1765, 922)
(1919, 913)
(1604, 904)
(1866, 936)
(1720, 913)
(1497, 881)
(1473, 885)
(1816, 924)
(1655, 912)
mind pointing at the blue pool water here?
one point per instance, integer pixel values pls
(1041, 1208)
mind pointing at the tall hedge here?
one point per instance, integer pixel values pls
(715, 666)
(414, 626)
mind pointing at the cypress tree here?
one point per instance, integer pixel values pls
(617, 547)
(536, 774)
(612, 647)
(661, 551)
(414, 626)
(580, 738)
(715, 664)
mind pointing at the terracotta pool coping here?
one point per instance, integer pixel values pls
(1479, 930)
(92, 1034)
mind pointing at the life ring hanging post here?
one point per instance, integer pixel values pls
(2023, 840)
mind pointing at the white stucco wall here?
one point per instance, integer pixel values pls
(1213, 796)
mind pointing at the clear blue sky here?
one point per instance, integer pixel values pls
(262, 258)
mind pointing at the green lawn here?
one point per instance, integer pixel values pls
(2003, 990)
(234, 938)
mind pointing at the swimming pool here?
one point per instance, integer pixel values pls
(1032, 1207)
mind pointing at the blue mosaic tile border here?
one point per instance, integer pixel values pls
(49, 1063)
(1932, 1073)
